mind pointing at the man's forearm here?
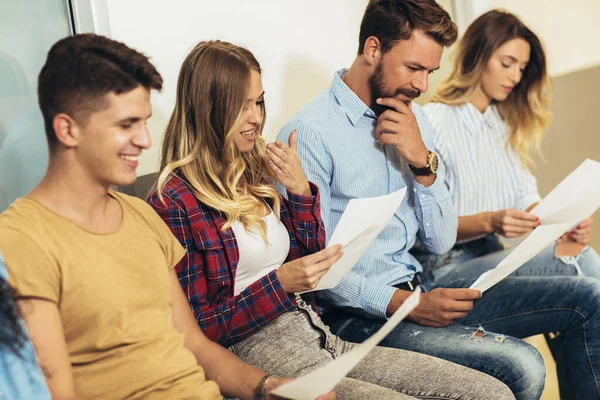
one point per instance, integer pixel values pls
(397, 300)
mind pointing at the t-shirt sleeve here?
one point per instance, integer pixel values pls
(32, 272)
(173, 250)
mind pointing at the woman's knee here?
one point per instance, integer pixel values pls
(424, 376)
(355, 389)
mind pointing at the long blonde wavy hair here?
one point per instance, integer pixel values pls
(526, 109)
(198, 143)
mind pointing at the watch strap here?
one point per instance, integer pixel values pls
(427, 169)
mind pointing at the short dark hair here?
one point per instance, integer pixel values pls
(81, 69)
(394, 20)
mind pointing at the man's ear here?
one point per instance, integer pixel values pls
(372, 50)
(66, 130)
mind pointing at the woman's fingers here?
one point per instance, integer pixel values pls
(324, 254)
(580, 237)
(324, 265)
(278, 150)
(276, 170)
(524, 215)
(277, 160)
(522, 223)
(520, 230)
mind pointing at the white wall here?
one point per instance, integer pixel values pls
(465, 12)
(300, 44)
(569, 29)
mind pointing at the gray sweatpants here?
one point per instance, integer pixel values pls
(298, 342)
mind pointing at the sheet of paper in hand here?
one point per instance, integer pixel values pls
(540, 238)
(572, 201)
(576, 198)
(324, 379)
(361, 222)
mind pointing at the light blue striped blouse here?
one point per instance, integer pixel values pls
(339, 154)
(483, 172)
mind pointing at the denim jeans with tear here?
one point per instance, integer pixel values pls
(540, 298)
(485, 253)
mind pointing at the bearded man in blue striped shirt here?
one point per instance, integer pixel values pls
(364, 137)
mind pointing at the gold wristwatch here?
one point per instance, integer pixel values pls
(430, 168)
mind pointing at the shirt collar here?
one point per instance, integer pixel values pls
(476, 120)
(354, 107)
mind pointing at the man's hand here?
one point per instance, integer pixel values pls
(512, 223)
(398, 126)
(276, 382)
(439, 307)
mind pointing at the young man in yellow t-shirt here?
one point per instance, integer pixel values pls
(94, 268)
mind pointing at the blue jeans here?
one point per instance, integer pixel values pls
(489, 338)
(484, 254)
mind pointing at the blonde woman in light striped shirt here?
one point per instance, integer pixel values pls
(487, 116)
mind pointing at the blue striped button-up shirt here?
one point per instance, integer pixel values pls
(483, 173)
(339, 154)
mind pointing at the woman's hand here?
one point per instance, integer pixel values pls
(582, 234)
(276, 382)
(305, 273)
(512, 223)
(286, 167)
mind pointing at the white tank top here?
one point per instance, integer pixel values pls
(257, 258)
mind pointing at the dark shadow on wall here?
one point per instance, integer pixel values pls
(574, 133)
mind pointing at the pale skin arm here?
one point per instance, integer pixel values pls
(217, 362)
(508, 223)
(44, 325)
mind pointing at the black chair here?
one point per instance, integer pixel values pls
(141, 187)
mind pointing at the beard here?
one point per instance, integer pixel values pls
(378, 91)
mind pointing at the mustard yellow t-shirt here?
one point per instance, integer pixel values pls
(114, 296)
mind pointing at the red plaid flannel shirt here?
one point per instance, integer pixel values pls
(207, 271)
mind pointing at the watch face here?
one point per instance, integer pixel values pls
(433, 162)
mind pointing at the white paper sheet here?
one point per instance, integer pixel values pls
(324, 379)
(361, 222)
(540, 238)
(574, 199)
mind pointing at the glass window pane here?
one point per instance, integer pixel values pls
(29, 28)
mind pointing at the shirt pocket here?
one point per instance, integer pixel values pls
(217, 271)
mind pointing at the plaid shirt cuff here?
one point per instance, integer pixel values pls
(280, 300)
(305, 208)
